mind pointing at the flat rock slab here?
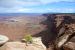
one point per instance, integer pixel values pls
(21, 46)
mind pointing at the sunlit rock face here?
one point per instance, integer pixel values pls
(3, 39)
(69, 46)
(13, 46)
(38, 42)
(36, 45)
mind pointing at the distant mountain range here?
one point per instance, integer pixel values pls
(19, 14)
(28, 14)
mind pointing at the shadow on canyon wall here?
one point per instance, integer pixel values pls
(51, 33)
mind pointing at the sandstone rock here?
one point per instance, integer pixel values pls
(36, 45)
(38, 42)
(3, 39)
(13, 46)
(69, 46)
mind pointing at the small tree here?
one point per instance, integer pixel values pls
(28, 39)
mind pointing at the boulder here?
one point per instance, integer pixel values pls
(37, 41)
(3, 39)
(69, 46)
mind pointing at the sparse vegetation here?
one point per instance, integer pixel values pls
(28, 39)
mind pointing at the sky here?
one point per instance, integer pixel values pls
(37, 6)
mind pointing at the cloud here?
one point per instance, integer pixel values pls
(14, 3)
(51, 1)
(39, 6)
(37, 10)
(22, 10)
(62, 10)
(15, 10)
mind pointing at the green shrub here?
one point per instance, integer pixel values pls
(28, 38)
